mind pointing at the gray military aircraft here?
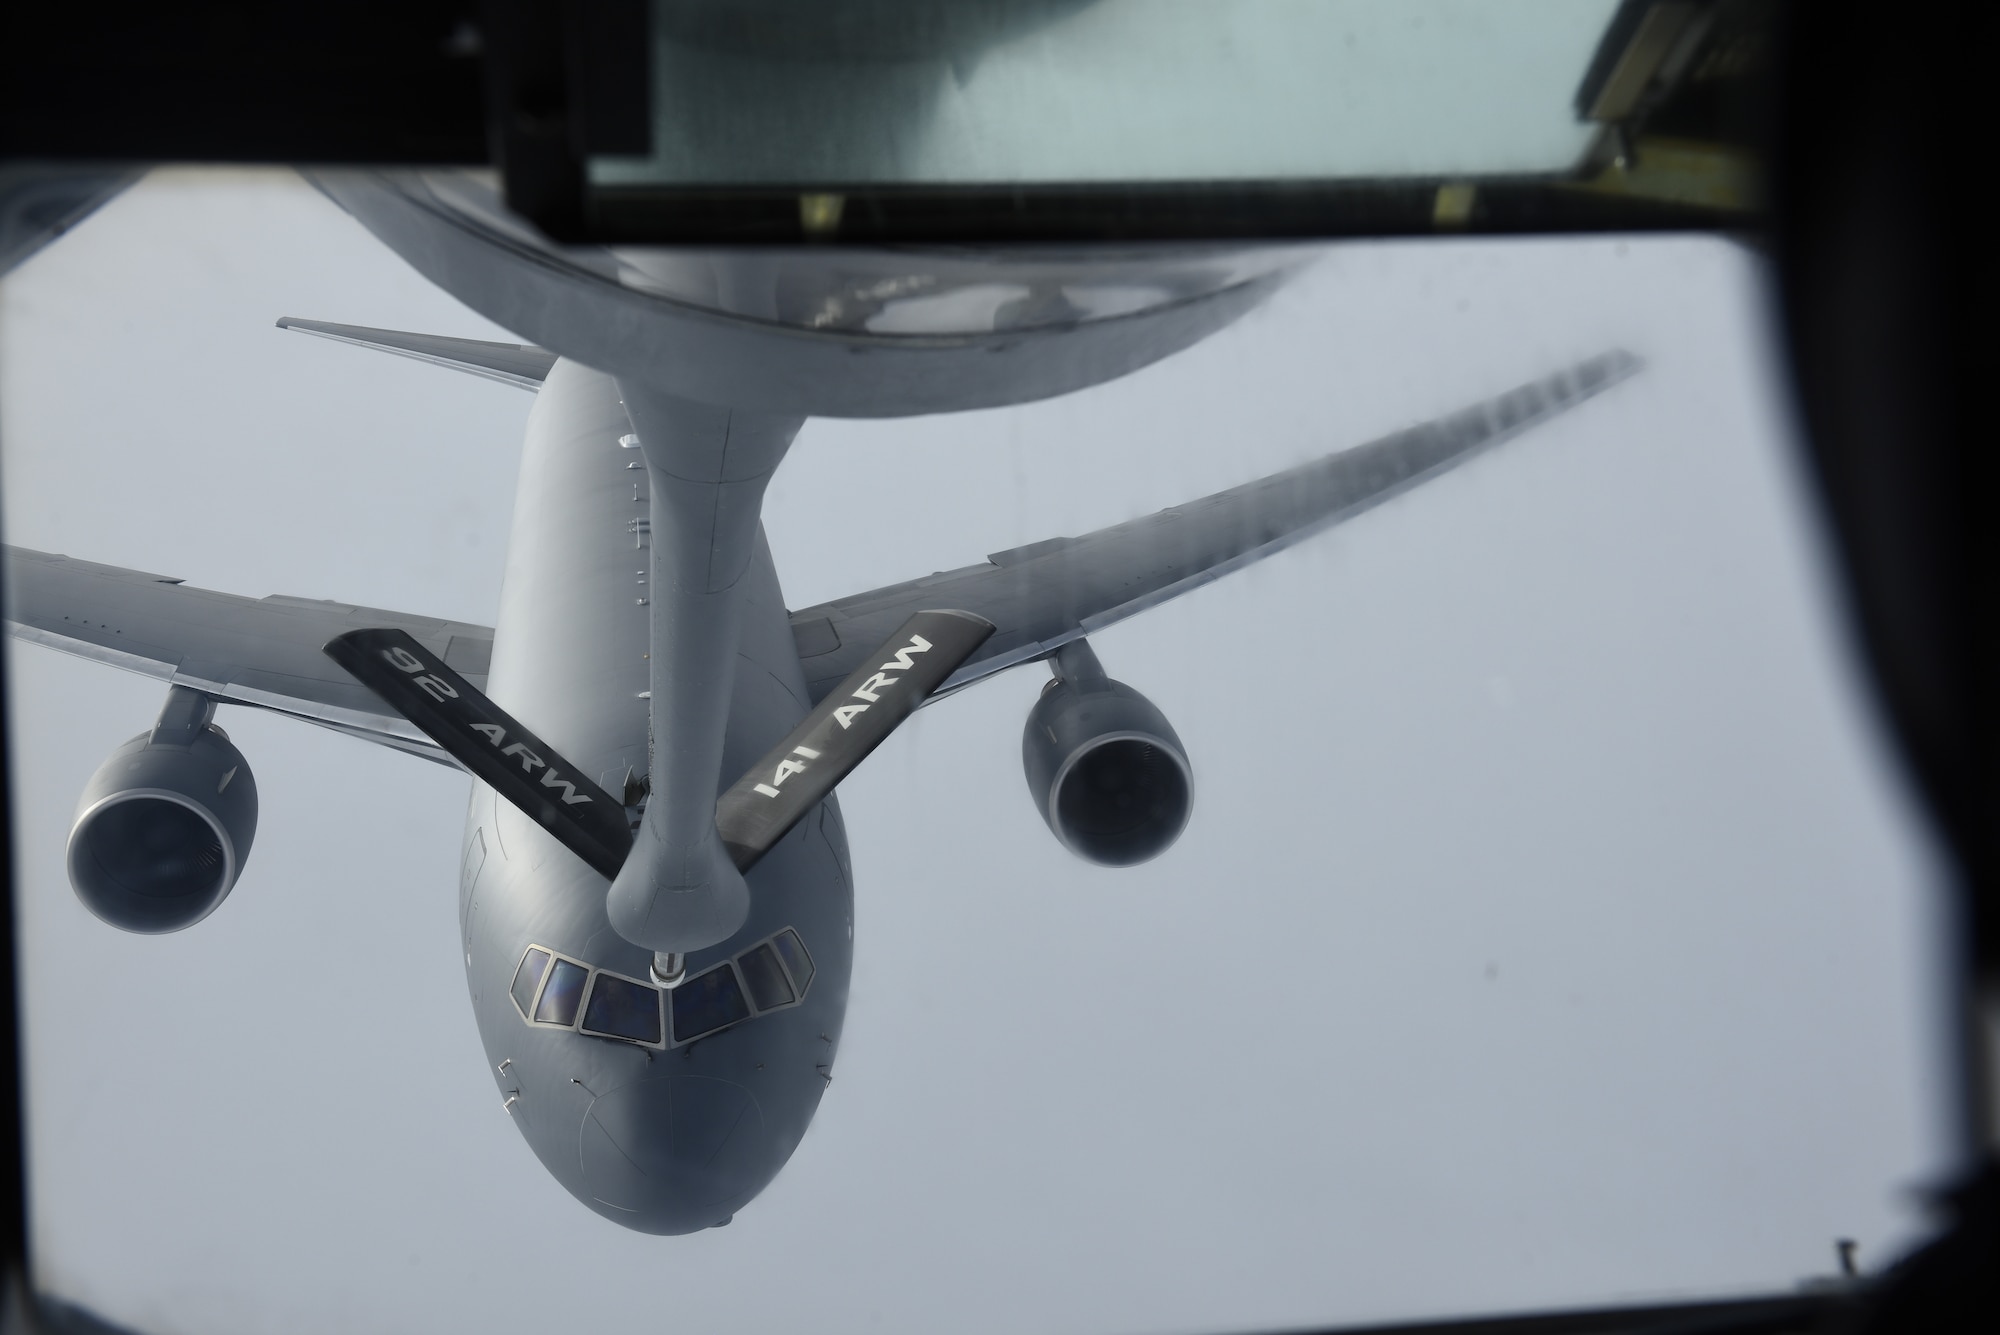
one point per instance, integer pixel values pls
(655, 896)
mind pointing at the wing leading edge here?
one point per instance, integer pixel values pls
(263, 652)
(1046, 594)
(266, 652)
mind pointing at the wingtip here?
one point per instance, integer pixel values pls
(1607, 369)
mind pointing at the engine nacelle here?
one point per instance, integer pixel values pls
(1104, 766)
(164, 825)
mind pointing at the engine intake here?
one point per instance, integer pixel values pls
(164, 825)
(1104, 766)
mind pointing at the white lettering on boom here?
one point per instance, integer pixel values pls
(570, 795)
(917, 645)
(530, 762)
(867, 689)
(492, 732)
(871, 689)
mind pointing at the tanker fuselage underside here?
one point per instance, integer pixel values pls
(666, 1121)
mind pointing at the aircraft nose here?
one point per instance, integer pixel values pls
(675, 1153)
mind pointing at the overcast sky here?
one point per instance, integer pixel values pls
(1550, 929)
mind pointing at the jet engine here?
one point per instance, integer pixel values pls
(1104, 766)
(164, 825)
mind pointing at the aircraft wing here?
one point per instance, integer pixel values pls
(1048, 593)
(264, 652)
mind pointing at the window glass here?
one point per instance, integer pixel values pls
(565, 990)
(623, 1009)
(1695, 922)
(794, 952)
(706, 1003)
(527, 977)
(1119, 90)
(769, 987)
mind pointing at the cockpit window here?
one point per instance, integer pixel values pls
(551, 989)
(793, 951)
(769, 988)
(621, 1008)
(561, 995)
(529, 977)
(707, 1002)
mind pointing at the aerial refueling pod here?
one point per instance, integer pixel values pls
(1104, 766)
(164, 825)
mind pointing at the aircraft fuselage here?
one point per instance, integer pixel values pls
(673, 1134)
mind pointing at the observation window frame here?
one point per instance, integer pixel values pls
(535, 997)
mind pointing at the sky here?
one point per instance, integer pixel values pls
(1551, 929)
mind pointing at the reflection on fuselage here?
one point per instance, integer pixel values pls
(671, 1129)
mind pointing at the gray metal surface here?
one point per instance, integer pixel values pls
(266, 652)
(263, 652)
(519, 364)
(706, 470)
(1104, 767)
(658, 1144)
(678, 1149)
(719, 356)
(1048, 593)
(767, 329)
(164, 826)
